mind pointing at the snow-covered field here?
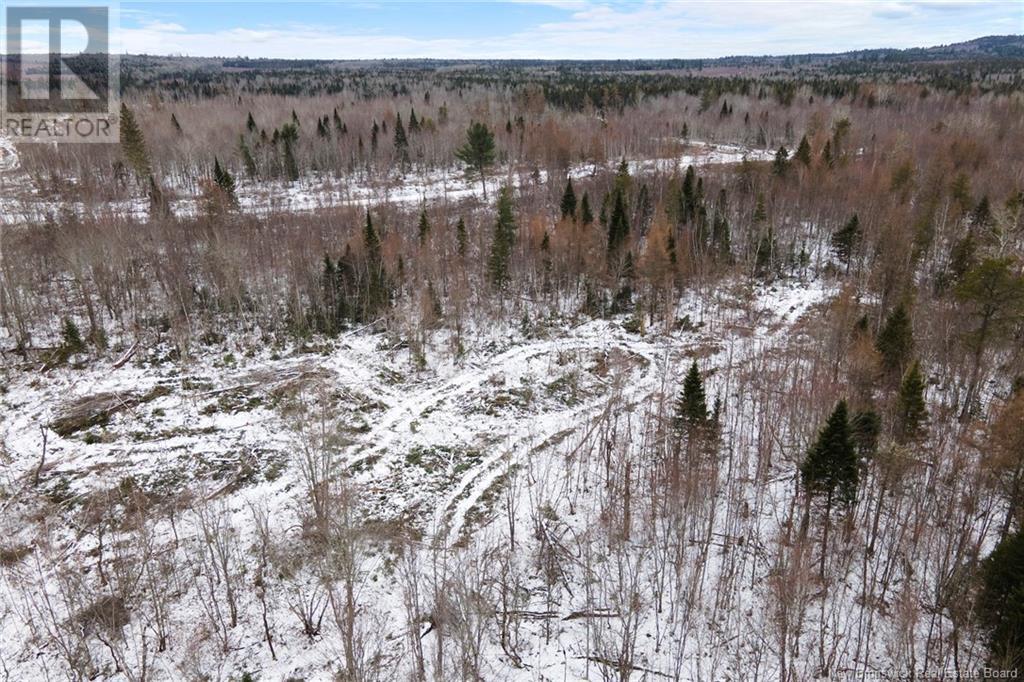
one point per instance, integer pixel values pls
(21, 202)
(455, 453)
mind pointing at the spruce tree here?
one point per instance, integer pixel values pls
(760, 212)
(478, 152)
(895, 342)
(963, 256)
(289, 135)
(764, 255)
(618, 226)
(992, 294)
(158, 204)
(586, 215)
(781, 163)
(721, 237)
(845, 240)
(1000, 605)
(803, 152)
(827, 157)
(133, 144)
(424, 226)
(70, 338)
(376, 295)
(461, 238)
(911, 413)
(691, 409)
(504, 239)
(250, 123)
(831, 469)
(247, 158)
(401, 141)
(981, 216)
(225, 182)
(688, 196)
(569, 201)
(865, 428)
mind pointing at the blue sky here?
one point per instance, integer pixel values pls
(583, 29)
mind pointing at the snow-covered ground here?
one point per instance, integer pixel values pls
(433, 449)
(20, 202)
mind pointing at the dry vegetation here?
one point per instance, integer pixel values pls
(586, 519)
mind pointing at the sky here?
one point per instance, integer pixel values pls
(552, 29)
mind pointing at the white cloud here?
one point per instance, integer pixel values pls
(596, 30)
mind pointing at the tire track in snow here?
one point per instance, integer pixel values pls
(450, 517)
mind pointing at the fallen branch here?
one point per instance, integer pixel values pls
(618, 666)
(127, 356)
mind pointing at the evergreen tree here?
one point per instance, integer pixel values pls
(247, 158)
(781, 163)
(374, 132)
(569, 201)
(478, 152)
(688, 196)
(158, 205)
(865, 428)
(963, 256)
(1000, 605)
(133, 144)
(981, 216)
(831, 469)
(895, 341)
(845, 240)
(586, 215)
(504, 240)
(764, 255)
(721, 237)
(250, 123)
(993, 296)
(424, 226)
(371, 242)
(289, 136)
(760, 212)
(401, 141)
(618, 226)
(70, 338)
(691, 409)
(623, 181)
(911, 413)
(225, 182)
(414, 123)
(670, 249)
(803, 152)
(461, 238)
(827, 157)
(376, 295)
(545, 249)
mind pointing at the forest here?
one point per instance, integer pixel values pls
(520, 370)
